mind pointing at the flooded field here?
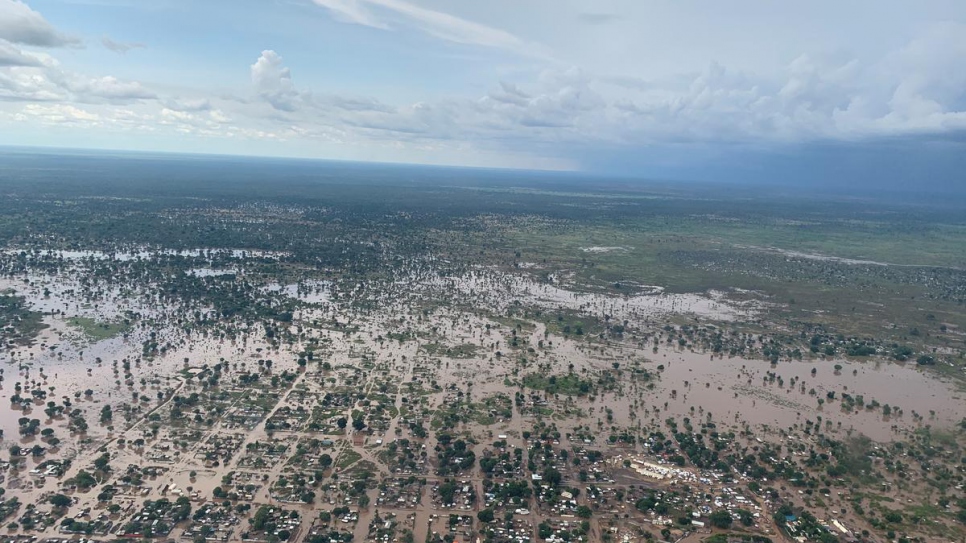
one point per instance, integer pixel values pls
(500, 291)
(756, 393)
(359, 378)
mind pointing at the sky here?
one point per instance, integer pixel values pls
(839, 92)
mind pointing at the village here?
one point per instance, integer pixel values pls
(256, 400)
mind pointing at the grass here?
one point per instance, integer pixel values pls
(98, 331)
(348, 458)
(569, 384)
(17, 322)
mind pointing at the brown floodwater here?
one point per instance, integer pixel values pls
(739, 390)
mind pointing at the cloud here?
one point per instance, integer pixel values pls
(43, 82)
(47, 81)
(914, 91)
(109, 88)
(20, 24)
(378, 13)
(120, 48)
(510, 94)
(273, 82)
(12, 56)
(352, 11)
(597, 18)
(190, 104)
(59, 114)
(354, 103)
(815, 98)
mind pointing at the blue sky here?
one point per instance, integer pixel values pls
(659, 88)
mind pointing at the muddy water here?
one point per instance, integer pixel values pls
(63, 362)
(734, 391)
(737, 390)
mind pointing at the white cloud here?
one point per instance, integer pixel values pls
(379, 13)
(352, 11)
(48, 81)
(10, 55)
(815, 97)
(41, 83)
(109, 88)
(273, 81)
(60, 114)
(119, 47)
(20, 24)
(510, 94)
(189, 104)
(915, 89)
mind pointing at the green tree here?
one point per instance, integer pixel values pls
(721, 519)
(60, 501)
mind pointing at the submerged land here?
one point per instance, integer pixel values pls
(220, 349)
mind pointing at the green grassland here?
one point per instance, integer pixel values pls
(921, 305)
(97, 331)
(18, 324)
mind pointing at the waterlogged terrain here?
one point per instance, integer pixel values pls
(311, 364)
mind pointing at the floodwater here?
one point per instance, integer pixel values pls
(146, 253)
(731, 390)
(735, 393)
(309, 292)
(598, 249)
(498, 291)
(738, 390)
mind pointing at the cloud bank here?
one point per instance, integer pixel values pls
(550, 114)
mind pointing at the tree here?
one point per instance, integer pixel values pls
(84, 479)
(745, 516)
(342, 422)
(447, 491)
(721, 519)
(60, 501)
(584, 512)
(552, 476)
(102, 461)
(485, 515)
